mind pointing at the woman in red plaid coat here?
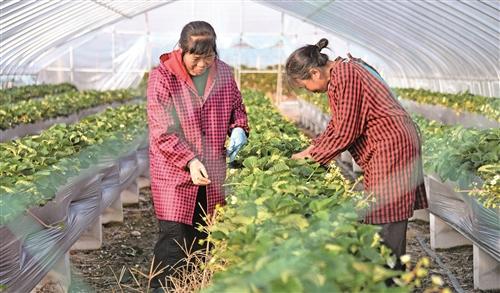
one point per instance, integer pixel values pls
(369, 122)
(193, 105)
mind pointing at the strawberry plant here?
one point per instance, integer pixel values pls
(319, 100)
(15, 94)
(463, 155)
(491, 186)
(32, 168)
(52, 106)
(489, 107)
(265, 82)
(465, 101)
(455, 153)
(292, 226)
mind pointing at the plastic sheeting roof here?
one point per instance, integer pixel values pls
(439, 40)
(117, 54)
(422, 36)
(30, 28)
(448, 45)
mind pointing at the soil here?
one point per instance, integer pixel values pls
(126, 245)
(457, 260)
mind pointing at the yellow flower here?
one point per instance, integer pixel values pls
(405, 258)
(425, 262)
(376, 240)
(436, 280)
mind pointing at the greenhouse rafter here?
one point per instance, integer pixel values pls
(439, 42)
(448, 46)
(57, 23)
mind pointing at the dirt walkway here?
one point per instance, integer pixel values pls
(128, 244)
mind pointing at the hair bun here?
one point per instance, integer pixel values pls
(322, 44)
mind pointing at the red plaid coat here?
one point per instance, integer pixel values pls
(368, 121)
(183, 125)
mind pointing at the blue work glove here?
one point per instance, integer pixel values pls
(237, 140)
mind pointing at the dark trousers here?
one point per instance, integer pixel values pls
(167, 252)
(394, 236)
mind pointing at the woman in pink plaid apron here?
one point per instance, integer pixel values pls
(193, 104)
(368, 121)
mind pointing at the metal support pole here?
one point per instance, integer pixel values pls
(279, 81)
(238, 70)
(148, 42)
(71, 66)
(113, 50)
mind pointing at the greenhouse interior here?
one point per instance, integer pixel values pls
(250, 146)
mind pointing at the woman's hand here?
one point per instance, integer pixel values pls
(305, 154)
(199, 174)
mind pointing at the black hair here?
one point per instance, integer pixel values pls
(204, 45)
(302, 60)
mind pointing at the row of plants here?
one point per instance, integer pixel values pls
(32, 168)
(467, 156)
(318, 100)
(16, 94)
(51, 106)
(292, 226)
(141, 89)
(265, 82)
(460, 102)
